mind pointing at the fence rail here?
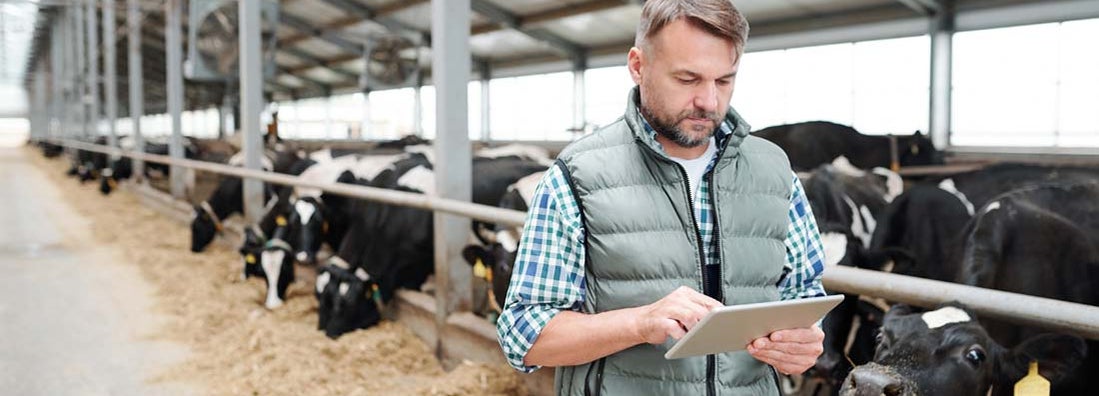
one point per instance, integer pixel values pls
(1016, 308)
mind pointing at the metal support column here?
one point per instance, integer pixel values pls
(137, 96)
(38, 109)
(486, 120)
(450, 20)
(79, 77)
(579, 95)
(251, 104)
(942, 38)
(93, 68)
(174, 54)
(418, 107)
(110, 72)
(365, 127)
(56, 81)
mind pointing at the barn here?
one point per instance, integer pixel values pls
(513, 197)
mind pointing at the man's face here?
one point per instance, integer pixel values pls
(686, 75)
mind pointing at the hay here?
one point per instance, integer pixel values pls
(238, 347)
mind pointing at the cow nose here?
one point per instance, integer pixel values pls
(868, 382)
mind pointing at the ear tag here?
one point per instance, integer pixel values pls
(1033, 384)
(218, 227)
(479, 269)
(324, 227)
(280, 221)
(488, 274)
(250, 259)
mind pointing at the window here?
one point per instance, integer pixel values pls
(1027, 86)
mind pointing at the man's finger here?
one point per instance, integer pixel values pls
(793, 348)
(778, 357)
(809, 335)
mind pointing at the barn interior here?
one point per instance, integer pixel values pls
(184, 177)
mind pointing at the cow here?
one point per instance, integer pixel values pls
(276, 260)
(394, 246)
(947, 352)
(815, 143)
(845, 202)
(1042, 241)
(919, 228)
(227, 199)
(492, 260)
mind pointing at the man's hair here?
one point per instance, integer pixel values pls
(718, 17)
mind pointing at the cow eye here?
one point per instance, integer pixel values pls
(975, 356)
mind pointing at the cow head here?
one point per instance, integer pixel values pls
(310, 212)
(946, 352)
(918, 150)
(849, 332)
(204, 227)
(251, 248)
(277, 260)
(107, 181)
(348, 299)
(495, 268)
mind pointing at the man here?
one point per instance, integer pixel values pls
(643, 227)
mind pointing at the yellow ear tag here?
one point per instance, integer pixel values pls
(1033, 384)
(488, 274)
(280, 221)
(250, 259)
(479, 269)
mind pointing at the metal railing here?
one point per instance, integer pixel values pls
(1016, 308)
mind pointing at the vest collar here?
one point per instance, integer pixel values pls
(729, 146)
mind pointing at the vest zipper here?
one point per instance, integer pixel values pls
(711, 360)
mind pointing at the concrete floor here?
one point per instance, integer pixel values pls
(73, 320)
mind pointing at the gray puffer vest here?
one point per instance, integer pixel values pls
(642, 242)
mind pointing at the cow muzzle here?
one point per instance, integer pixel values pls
(874, 380)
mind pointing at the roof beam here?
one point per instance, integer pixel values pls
(379, 13)
(511, 21)
(326, 35)
(313, 61)
(923, 7)
(363, 12)
(554, 14)
(329, 61)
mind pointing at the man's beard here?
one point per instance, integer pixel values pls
(670, 128)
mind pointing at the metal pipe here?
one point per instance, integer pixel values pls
(942, 51)
(93, 68)
(1011, 307)
(137, 98)
(486, 213)
(110, 82)
(993, 304)
(251, 104)
(450, 65)
(174, 56)
(81, 89)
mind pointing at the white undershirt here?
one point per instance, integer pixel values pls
(697, 167)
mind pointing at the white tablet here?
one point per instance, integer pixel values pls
(732, 328)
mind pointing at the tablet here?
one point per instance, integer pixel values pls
(732, 328)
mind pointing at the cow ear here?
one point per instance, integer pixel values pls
(1057, 356)
(472, 252)
(918, 134)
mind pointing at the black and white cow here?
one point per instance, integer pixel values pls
(947, 352)
(811, 144)
(494, 259)
(845, 202)
(393, 246)
(919, 228)
(1041, 241)
(227, 199)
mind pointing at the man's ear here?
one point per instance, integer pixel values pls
(1057, 356)
(634, 62)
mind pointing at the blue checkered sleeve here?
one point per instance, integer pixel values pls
(804, 251)
(549, 272)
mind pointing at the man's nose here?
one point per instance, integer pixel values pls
(706, 97)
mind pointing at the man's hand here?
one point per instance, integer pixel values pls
(789, 351)
(673, 315)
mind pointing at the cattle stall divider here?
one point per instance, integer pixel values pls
(1061, 316)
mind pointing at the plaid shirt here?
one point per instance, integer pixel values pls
(549, 266)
